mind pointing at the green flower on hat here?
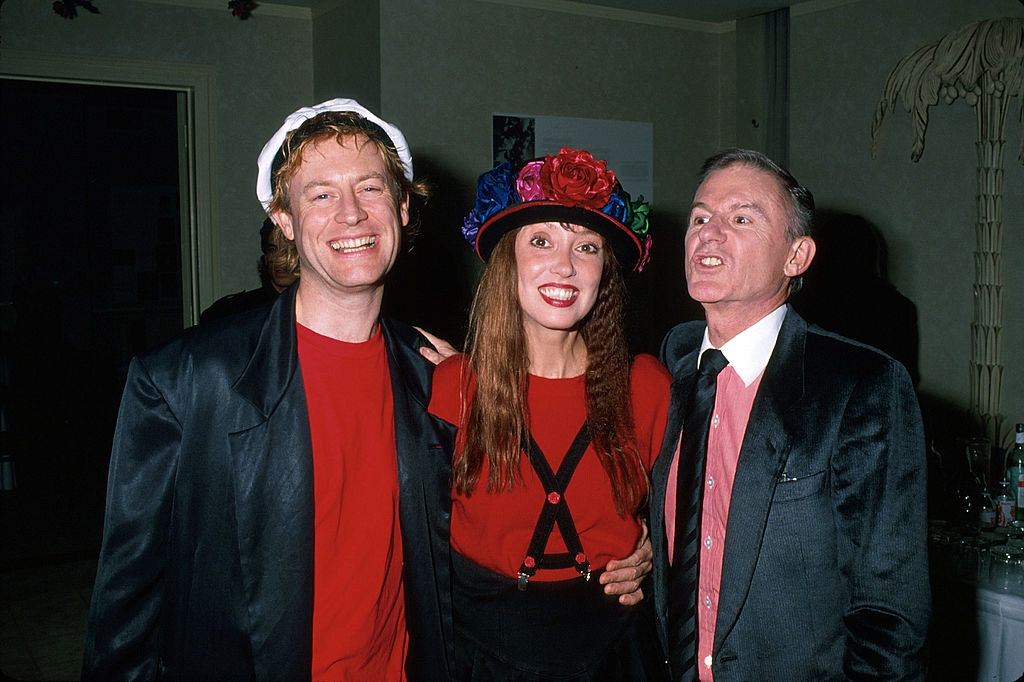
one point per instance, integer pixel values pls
(638, 220)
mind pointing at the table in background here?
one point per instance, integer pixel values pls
(977, 630)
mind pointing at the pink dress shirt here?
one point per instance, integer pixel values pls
(733, 402)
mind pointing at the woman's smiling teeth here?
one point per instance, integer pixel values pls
(560, 293)
(353, 245)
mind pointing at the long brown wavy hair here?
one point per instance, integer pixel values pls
(498, 418)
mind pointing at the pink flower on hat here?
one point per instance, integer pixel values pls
(528, 182)
(575, 178)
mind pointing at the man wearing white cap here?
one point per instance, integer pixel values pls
(278, 496)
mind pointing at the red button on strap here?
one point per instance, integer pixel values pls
(553, 498)
(581, 557)
(529, 562)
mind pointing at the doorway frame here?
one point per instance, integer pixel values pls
(194, 85)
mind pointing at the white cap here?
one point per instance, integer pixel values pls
(264, 179)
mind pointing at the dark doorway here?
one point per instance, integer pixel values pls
(90, 274)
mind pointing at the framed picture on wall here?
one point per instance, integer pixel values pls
(627, 146)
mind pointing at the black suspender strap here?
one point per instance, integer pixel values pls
(555, 509)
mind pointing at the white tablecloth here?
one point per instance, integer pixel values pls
(977, 630)
(1000, 635)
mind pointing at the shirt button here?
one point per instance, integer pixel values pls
(708, 542)
(707, 601)
(714, 421)
(711, 481)
(707, 661)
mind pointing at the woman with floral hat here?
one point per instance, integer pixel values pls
(557, 429)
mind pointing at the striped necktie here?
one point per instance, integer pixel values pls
(683, 575)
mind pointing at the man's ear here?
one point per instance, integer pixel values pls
(403, 211)
(801, 253)
(283, 220)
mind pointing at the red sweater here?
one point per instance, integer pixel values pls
(494, 529)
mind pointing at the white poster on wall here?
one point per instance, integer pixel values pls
(627, 146)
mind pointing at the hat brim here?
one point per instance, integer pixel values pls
(624, 244)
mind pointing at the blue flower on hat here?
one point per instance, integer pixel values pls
(618, 206)
(470, 226)
(495, 191)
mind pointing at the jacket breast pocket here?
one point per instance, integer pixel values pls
(797, 487)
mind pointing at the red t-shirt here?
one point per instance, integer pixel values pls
(494, 529)
(358, 601)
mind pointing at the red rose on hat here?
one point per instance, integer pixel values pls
(575, 178)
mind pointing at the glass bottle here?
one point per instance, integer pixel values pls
(1015, 472)
(986, 509)
(974, 484)
(1006, 506)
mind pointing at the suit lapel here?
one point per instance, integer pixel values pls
(273, 466)
(424, 483)
(761, 462)
(410, 381)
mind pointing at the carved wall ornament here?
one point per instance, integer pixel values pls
(983, 64)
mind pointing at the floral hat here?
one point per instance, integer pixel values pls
(569, 187)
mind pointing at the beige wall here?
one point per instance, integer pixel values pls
(841, 58)
(440, 68)
(447, 65)
(346, 52)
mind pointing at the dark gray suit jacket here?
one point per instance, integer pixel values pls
(825, 573)
(205, 572)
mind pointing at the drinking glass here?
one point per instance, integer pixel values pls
(972, 559)
(1006, 568)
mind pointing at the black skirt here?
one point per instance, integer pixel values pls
(567, 630)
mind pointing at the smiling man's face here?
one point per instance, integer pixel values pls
(343, 216)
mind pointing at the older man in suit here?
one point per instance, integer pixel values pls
(788, 511)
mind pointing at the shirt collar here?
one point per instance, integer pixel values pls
(748, 352)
